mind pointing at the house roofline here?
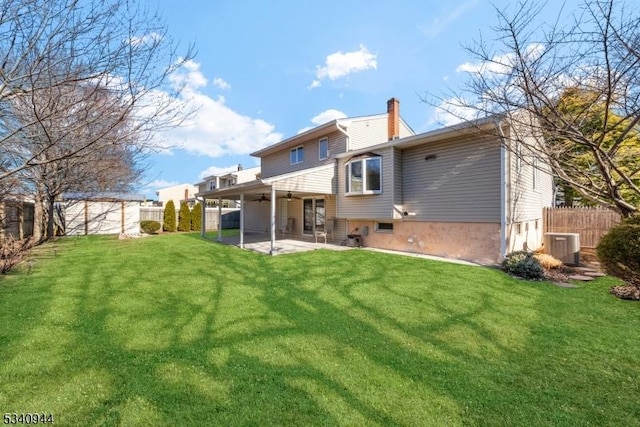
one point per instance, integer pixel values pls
(299, 138)
(429, 136)
(345, 123)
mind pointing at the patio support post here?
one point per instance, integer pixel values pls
(241, 220)
(273, 220)
(203, 221)
(219, 219)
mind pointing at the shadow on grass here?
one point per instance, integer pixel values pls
(183, 332)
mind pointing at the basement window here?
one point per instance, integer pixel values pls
(385, 227)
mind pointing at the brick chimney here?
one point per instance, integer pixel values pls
(186, 194)
(393, 124)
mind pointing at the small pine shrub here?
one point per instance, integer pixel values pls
(169, 223)
(619, 252)
(548, 261)
(184, 217)
(523, 264)
(149, 227)
(196, 217)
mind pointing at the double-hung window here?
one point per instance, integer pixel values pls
(296, 155)
(363, 175)
(323, 148)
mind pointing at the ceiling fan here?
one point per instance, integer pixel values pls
(263, 198)
(290, 197)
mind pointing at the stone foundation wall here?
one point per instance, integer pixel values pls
(477, 242)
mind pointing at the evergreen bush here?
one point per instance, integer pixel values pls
(196, 217)
(149, 226)
(169, 223)
(184, 217)
(523, 264)
(619, 251)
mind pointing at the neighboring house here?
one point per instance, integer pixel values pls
(455, 192)
(177, 193)
(101, 213)
(226, 180)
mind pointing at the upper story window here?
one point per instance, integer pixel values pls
(323, 148)
(296, 155)
(363, 175)
(211, 185)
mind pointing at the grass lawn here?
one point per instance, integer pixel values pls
(174, 330)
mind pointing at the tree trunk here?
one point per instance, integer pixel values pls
(38, 218)
(51, 215)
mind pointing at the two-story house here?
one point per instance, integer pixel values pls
(226, 180)
(459, 191)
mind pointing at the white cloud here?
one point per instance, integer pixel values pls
(190, 77)
(148, 39)
(324, 117)
(341, 64)
(221, 83)
(501, 64)
(452, 111)
(327, 116)
(217, 170)
(214, 129)
(439, 24)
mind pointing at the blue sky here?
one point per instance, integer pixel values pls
(265, 70)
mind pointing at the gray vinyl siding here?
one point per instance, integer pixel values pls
(279, 163)
(367, 132)
(321, 180)
(526, 201)
(397, 184)
(378, 206)
(462, 183)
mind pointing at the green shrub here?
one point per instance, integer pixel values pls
(184, 217)
(196, 217)
(149, 227)
(632, 220)
(169, 223)
(619, 252)
(523, 264)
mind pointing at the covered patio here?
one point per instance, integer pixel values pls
(285, 214)
(261, 243)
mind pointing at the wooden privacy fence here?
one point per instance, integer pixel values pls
(590, 223)
(230, 217)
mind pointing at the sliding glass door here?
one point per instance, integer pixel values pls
(313, 215)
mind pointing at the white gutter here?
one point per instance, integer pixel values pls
(337, 172)
(503, 191)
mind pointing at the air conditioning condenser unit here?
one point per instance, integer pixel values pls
(563, 246)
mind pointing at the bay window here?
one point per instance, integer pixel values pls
(363, 175)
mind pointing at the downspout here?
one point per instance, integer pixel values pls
(346, 134)
(504, 182)
(219, 219)
(272, 220)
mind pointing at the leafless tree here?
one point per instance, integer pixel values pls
(573, 85)
(84, 84)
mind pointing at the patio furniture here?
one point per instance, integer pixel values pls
(288, 227)
(328, 230)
